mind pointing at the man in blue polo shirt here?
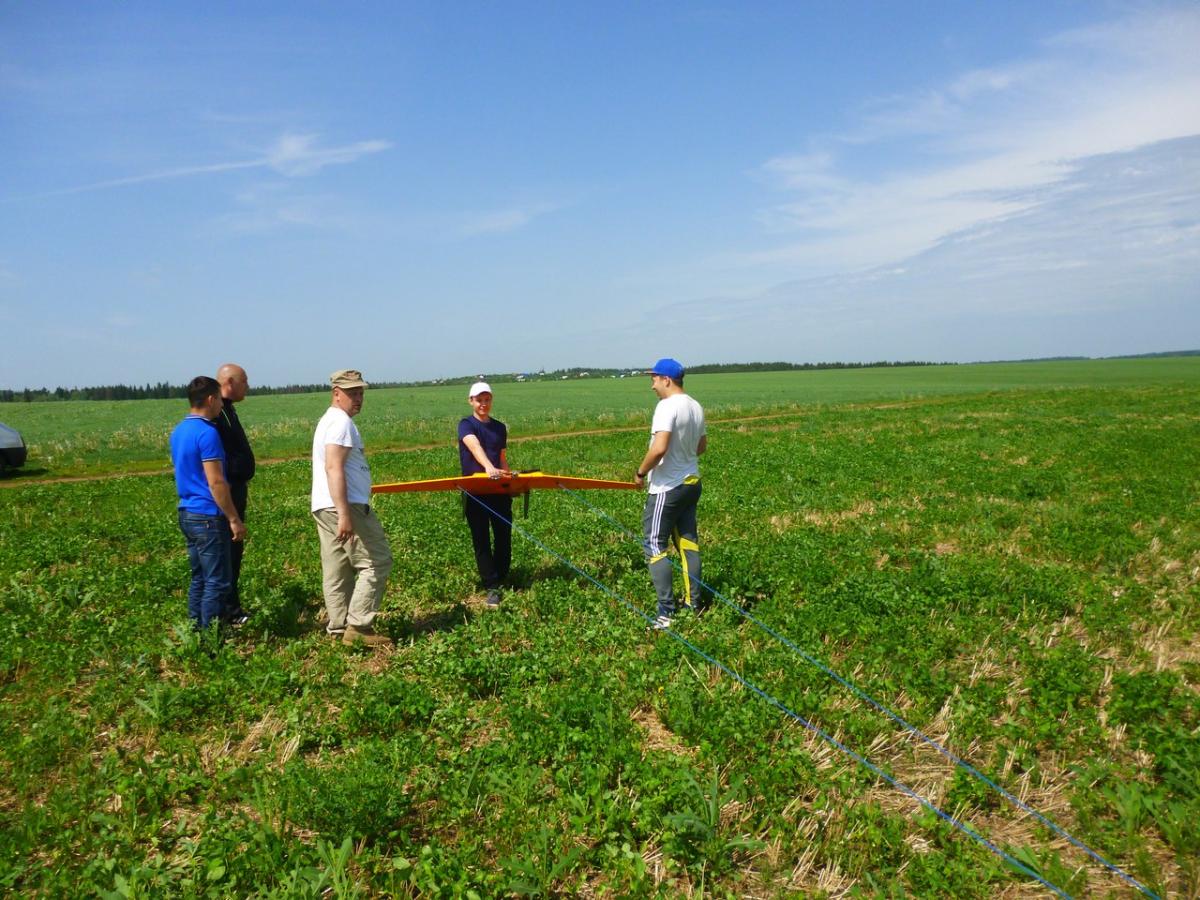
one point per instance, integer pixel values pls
(207, 516)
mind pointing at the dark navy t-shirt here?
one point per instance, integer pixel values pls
(493, 437)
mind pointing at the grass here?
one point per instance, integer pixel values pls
(1012, 570)
(81, 438)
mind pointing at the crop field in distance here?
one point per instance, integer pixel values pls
(86, 437)
(1006, 556)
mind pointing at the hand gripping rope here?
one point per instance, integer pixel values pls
(829, 739)
(862, 695)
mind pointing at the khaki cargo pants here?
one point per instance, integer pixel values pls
(355, 571)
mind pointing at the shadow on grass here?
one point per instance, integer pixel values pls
(443, 620)
(7, 474)
(293, 612)
(548, 571)
(288, 613)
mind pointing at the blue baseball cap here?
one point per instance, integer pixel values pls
(667, 367)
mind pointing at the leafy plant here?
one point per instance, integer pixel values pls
(974, 560)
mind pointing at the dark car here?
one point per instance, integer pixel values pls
(12, 447)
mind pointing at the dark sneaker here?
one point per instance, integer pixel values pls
(238, 618)
(493, 598)
(365, 635)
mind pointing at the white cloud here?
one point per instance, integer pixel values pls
(984, 81)
(292, 155)
(296, 155)
(1104, 260)
(122, 321)
(501, 221)
(808, 171)
(983, 146)
(269, 207)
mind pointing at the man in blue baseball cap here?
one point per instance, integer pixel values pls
(677, 439)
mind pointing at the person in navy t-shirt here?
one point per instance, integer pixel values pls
(483, 447)
(207, 516)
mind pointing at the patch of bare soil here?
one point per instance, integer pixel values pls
(659, 738)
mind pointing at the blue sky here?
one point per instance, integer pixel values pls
(427, 190)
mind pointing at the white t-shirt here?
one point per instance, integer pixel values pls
(336, 427)
(684, 418)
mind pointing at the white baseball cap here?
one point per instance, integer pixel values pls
(479, 387)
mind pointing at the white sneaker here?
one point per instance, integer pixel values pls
(662, 623)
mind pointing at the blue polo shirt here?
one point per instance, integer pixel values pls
(194, 441)
(493, 437)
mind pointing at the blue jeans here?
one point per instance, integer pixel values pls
(210, 551)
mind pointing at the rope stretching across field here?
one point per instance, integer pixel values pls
(895, 717)
(829, 739)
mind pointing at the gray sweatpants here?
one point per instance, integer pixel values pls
(670, 517)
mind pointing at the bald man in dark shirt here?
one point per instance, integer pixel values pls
(239, 466)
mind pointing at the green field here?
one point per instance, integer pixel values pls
(1007, 556)
(74, 438)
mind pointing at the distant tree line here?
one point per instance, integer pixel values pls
(164, 391)
(160, 391)
(714, 368)
(1159, 355)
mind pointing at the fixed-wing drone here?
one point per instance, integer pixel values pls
(514, 484)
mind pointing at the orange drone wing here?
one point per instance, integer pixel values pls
(512, 485)
(472, 484)
(566, 481)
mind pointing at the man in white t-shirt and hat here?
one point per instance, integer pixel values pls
(355, 556)
(677, 439)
